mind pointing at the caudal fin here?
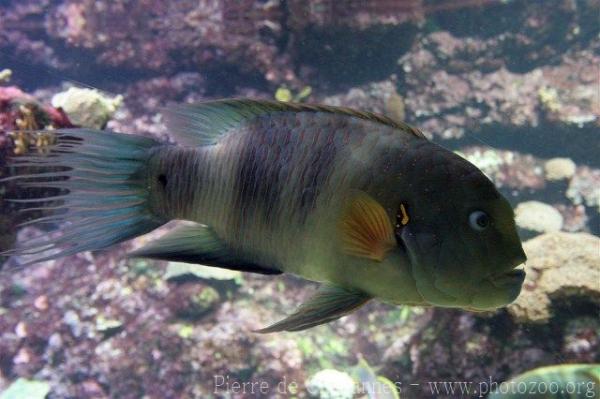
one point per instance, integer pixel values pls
(99, 180)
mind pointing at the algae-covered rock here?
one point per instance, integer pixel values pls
(559, 265)
(87, 107)
(23, 388)
(539, 217)
(331, 384)
(192, 300)
(559, 169)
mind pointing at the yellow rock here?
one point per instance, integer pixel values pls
(559, 265)
(559, 169)
(538, 216)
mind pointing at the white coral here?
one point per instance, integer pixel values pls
(87, 107)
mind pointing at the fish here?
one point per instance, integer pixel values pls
(563, 381)
(361, 203)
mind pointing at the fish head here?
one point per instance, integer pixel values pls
(459, 235)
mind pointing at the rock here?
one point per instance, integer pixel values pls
(72, 320)
(108, 326)
(192, 300)
(506, 168)
(380, 97)
(87, 107)
(581, 338)
(459, 86)
(559, 265)
(559, 169)
(179, 270)
(574, 217)
(330, 384)
(539, 217)
(5, 75)
(24, 388)
(583, 187)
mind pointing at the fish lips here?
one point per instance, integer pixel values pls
(498, 290)
(515, 277)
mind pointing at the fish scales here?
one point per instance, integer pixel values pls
(271, 173)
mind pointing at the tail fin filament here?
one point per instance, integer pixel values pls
(101, 180)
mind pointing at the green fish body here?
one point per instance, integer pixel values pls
(366, 205)
(565, 381)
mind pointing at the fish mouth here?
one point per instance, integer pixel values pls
(510, 278)
(498, 290)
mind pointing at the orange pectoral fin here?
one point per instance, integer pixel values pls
(366, 230)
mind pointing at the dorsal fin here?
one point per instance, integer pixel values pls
(204, 123)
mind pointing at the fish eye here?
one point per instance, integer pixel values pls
(479, 220)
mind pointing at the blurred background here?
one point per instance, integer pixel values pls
(511, 85)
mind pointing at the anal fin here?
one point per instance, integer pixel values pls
(329, 303)
(199, 244)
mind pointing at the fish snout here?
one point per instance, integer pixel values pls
(514, 259)
(520, 258)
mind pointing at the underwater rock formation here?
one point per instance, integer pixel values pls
(373, 97)
(150, 35)
(559, 169)
(277, 39)
(440, 93)
(20, 112)
(538, 217)
(583, 188)
(560, 266)
(507, 169)
(87, 107)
